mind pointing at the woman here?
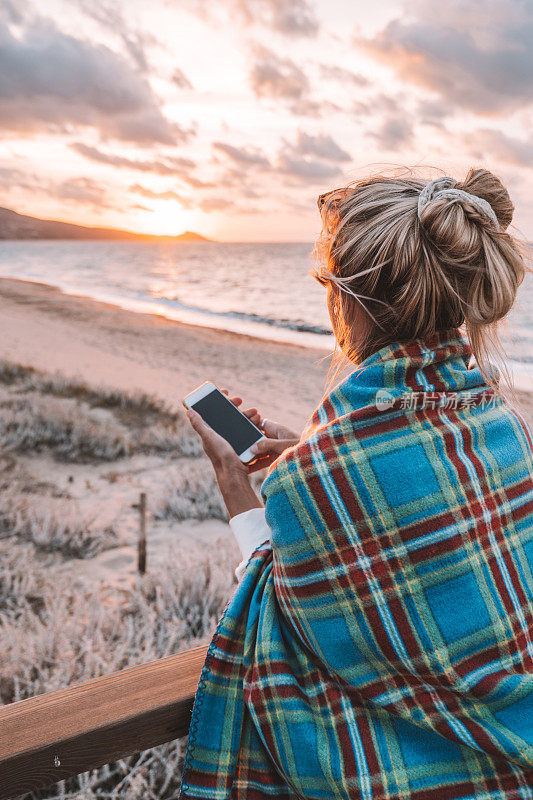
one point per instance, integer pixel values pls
(379, 644)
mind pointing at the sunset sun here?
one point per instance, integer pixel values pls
(166, 219)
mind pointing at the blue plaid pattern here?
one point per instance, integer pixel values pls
(380, 647)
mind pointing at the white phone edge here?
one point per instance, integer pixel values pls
(206, 388)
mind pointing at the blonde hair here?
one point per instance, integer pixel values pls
(415, 274)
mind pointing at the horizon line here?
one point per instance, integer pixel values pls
(141, 234)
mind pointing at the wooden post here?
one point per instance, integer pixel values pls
(141, 548)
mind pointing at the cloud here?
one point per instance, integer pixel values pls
(244, 156)
(169, 194)
(47, 76)
(280, 78)
(207, 204)
(170, 166)
(214, 204)
(249, 191)
(82, 190)
(233, 178)
(11, 178)
(196, 183)
(330, 72)
(109, 14)
(393, 133)
(274, 76)
(77, 189)
(13, 11)
(321, 145)
(475, 54)
(378, 104)
(309, 158)
(500, 146)
(309, 171)
(431, 112)
(180, 79)
(291, 18)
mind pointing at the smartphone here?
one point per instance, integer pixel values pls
(225, 418)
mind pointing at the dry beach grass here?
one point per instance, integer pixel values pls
(54, 634)
(68, 449)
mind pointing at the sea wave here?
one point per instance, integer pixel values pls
(277, 322)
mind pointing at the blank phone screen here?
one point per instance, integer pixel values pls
(221, 415)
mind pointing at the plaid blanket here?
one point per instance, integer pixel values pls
(380, 647)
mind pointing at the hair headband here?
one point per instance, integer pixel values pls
(444, 187)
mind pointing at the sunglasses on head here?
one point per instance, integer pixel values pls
(321, 280)
(322, 198)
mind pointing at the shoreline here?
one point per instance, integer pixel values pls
(232, 323)
(229, 321)
(44, 327)
(102, 343)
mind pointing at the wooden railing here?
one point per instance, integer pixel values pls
(57, 735)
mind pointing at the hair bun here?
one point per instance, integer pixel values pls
(477, 255)
(489, 187)
(480, 199)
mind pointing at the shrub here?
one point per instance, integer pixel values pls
(75, 634)
(34, 424)
(192, 493)
(71, 425)
(55, 526)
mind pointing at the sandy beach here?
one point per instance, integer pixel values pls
(103, 344)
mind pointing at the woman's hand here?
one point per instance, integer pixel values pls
(232, 475)
(279, 438)
(218, 450)
(221, 453)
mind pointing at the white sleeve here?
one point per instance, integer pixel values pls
(250, 529)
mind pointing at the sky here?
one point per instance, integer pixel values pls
(230, 117)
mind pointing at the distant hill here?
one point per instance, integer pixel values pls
(19, 226)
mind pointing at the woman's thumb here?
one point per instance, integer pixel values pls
(270, 446)
(196, 421)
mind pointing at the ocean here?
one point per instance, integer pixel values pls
(260, 289)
